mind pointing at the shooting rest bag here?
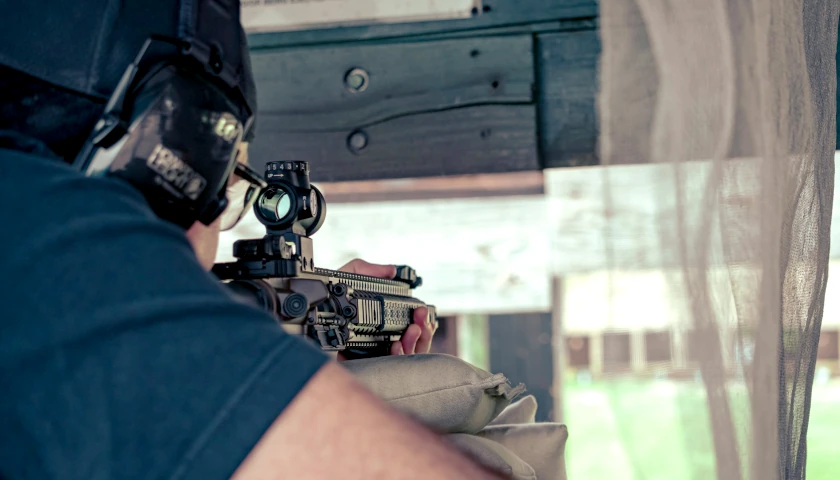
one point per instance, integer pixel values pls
(440, 391)
(521, 411)
(474, 408)
(540, 445)
(493, 456)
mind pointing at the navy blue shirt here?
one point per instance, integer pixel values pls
(120, 357)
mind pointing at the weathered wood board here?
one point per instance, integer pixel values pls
(520, 346)
(491, 138)
(285, 15)
(494, 13)
(457, 107)
(564, 73)
(304, 90)
(309, 110)
(568, 86)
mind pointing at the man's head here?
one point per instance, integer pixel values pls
(154, 92)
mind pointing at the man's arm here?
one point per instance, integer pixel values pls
(334, 428)
(122, 358)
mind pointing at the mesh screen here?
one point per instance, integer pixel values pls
(736, 100)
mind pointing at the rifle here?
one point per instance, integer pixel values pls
(358, 315)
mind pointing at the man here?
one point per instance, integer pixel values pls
(120, 356)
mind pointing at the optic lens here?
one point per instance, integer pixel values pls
(274, 205)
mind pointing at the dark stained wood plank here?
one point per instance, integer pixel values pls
(497, 13)
(568, 86)
(550, 26)
(481, 139)
(520, 347)
(559, 359)
(303, 89)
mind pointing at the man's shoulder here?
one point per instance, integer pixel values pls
(116, 337)
(42, 194)
(21, 168)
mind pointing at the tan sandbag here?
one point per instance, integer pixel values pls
(493, 456)
(440, 391)
(521, 411)
(540, 445)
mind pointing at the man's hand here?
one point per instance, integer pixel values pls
(418, 337)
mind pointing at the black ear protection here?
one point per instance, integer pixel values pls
(173, 125)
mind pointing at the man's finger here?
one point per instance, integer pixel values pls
(396, 348)
(361, 267)
(427, 330)
(409, 339)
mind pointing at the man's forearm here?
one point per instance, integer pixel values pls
(337, 429)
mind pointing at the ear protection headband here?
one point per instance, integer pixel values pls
(173, 125)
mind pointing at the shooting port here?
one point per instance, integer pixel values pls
(586, 222)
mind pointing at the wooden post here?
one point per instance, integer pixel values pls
(637, 351)
(597, 354)
(521, 348)
(558, 348)
(679, 353)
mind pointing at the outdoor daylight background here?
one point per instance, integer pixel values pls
(621, 373)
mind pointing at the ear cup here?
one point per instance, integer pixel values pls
(179, 146)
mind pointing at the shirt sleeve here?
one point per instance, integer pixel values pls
(120, 357)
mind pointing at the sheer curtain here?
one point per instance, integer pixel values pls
(736, 100)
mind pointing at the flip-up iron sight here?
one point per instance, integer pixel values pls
(356, 314)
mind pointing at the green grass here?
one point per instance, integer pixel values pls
(823, 432)
(652, 430)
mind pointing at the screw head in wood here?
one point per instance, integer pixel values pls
(357, 141)
(356, 80)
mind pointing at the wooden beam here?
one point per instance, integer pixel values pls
(558, 349)
(304, 89)
(495, 13)
(521, 347)
(307, 110)
(568, 86)
(458, 107)
(533, 28)
(284, 16)
(460, 186)
(462, 141)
